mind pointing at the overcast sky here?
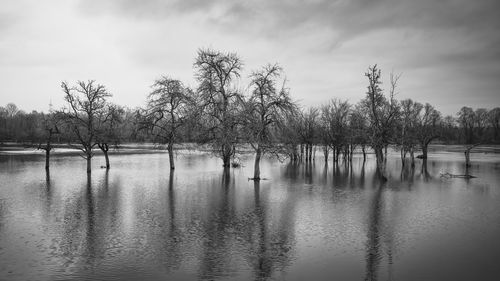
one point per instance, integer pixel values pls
(447, 51)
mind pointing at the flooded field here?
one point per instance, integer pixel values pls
(139, 221)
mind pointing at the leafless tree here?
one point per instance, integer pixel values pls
(409, 115)
(50, 127)
(382, 112)
(427, 127)
(358, 127)
(308, 132)
(11, 109)
(109, 129)
(216, 73)
(468, 121)
(335, 116)
(494, 122)
(85, 105)
(267, 105)
(168, 109)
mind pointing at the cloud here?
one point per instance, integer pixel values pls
(445, 47)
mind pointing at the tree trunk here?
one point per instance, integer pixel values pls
(256, 170)
(226, 156)
(226, 160)
(310, 152)
(170, 149)
(326, 151)
(47, 158)
(301, 152)
(364, 153)
(89, 163)
(379, 154)
(412, 157)
(105, 148)
(107, 159)
(467, 157)
(424, 150)
(403, 156)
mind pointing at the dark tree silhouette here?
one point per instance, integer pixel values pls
(168, 109)
(50, 125)
(382, 112)
(109, 130)
(264, 110)
(85, 105)
(216, 73)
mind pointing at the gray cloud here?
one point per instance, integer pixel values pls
(446, 47)
(349, 18)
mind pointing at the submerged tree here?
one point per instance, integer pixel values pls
(409, 115)
(221, 104)
(466, 120)
(50, 128)
(167, 111)
(494, 123)
(358, 127)
(109, 129)
(335, 115)
(85, 104)
(264, 110)
(428, 127)
(382, 112)
(308, 132)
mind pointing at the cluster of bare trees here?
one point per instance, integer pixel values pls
(219, 114)
(224, 117)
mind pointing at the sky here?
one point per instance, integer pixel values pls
(447, 51)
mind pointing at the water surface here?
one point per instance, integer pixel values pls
(306, 222)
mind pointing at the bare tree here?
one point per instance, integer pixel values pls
(289, 133)
(264, 110)
(494, 123)
(168, 109)
(428, 127)
(109, 121)
(382, 112)
(85, 103)
(358, 127)
(11, 110)
(50, 126)
(335, 115)
(216, 73)
(467, 121)
(308, 132)
(409, 114)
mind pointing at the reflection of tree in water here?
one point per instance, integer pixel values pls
(340, 174)
(308, 172)
(424, 171)
(373, 254)
(292, 171)
(48, 195)
(250, 233)
(215, 259)
(407, 174)
(300, 170)
(379, 233)
(269, 244)
(84, 228)
(171, 237)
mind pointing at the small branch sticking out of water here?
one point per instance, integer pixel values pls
(448, 176)
(254, 179)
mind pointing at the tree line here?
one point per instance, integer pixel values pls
(220, 115)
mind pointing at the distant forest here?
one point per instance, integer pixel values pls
(265, 117)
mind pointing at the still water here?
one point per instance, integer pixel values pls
(305, 222)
